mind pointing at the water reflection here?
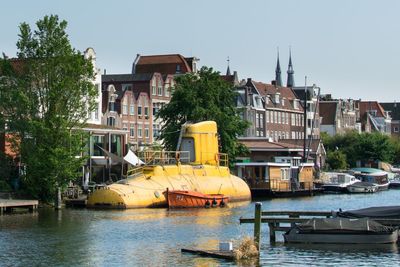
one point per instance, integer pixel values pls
(154, 237)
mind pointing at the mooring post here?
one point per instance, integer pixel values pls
(257, 224)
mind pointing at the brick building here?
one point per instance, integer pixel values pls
(131, 101)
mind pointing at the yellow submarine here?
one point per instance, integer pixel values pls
(196, 166)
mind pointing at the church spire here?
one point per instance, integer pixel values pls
(228, 70)
(290, 71)
(278, 78)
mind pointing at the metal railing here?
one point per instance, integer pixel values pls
(151, 158)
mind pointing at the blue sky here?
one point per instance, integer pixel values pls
(349, 48)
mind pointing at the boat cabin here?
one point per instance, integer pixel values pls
(266, 178)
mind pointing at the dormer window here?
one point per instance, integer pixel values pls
(178, 68)
(372, 112)
(277, 98)
(295, 104)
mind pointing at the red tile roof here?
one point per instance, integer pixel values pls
(366, 106)
(262, 144)
(165, 64)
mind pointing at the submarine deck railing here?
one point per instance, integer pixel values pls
(159, 157)
(292, 217)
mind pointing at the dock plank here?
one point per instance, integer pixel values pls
(227, 255)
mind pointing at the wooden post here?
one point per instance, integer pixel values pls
(257, 224)
(272, 236)
(58, 199)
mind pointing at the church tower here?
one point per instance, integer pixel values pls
(278, 78)
(228, 70)
(290, 72)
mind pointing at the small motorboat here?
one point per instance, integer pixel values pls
(338, 182)
(362, 187)
(341, 231)
(193, 199)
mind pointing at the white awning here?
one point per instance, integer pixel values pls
(132, 158)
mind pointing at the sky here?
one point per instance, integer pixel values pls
(350, 49)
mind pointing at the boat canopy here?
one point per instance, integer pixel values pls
(387, 212)
(342, 225)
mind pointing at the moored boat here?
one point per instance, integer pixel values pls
(371, 175)
(193, 199)
(338, 182)
(341, 231)
(362, 187)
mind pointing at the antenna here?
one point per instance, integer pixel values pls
(305, 119)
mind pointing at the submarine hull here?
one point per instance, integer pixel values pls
(148, 189)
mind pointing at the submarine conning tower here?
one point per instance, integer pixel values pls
(201, 141)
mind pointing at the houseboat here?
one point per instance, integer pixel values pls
(196, 166)
(275, 179)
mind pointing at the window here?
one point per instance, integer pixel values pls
(111, 121)
(96, 112)
(146, 112)
(257, 121)
(139, 130)
(111, 106)
(125, 126)
(125, 109)
(132, 130)
(396, 129)
(146, 131)
(139, 111)
(285, 173)
(166, 90)
(160, 90)
(267, 116)
(156, 130)
(132, 109)
(153, 87)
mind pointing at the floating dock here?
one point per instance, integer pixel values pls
(9, 205)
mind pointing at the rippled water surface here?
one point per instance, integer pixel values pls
(154, 237)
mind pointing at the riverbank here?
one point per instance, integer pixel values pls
(154, 237)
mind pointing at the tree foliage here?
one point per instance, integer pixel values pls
(336, 160)
(200, 97)
(362, 147)
(45, 95)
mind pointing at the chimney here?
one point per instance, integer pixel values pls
(105, 71)
(273, 82)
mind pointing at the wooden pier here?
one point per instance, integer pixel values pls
(289, 219)
(9, 205)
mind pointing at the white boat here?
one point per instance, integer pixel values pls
(362, 187)
(341, 231)
(338, 182)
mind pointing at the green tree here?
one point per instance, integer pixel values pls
(45, 95)
(336, 160)
(200, 97)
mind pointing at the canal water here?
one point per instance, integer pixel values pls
(154, 237)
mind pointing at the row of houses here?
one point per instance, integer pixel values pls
(285, 121)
